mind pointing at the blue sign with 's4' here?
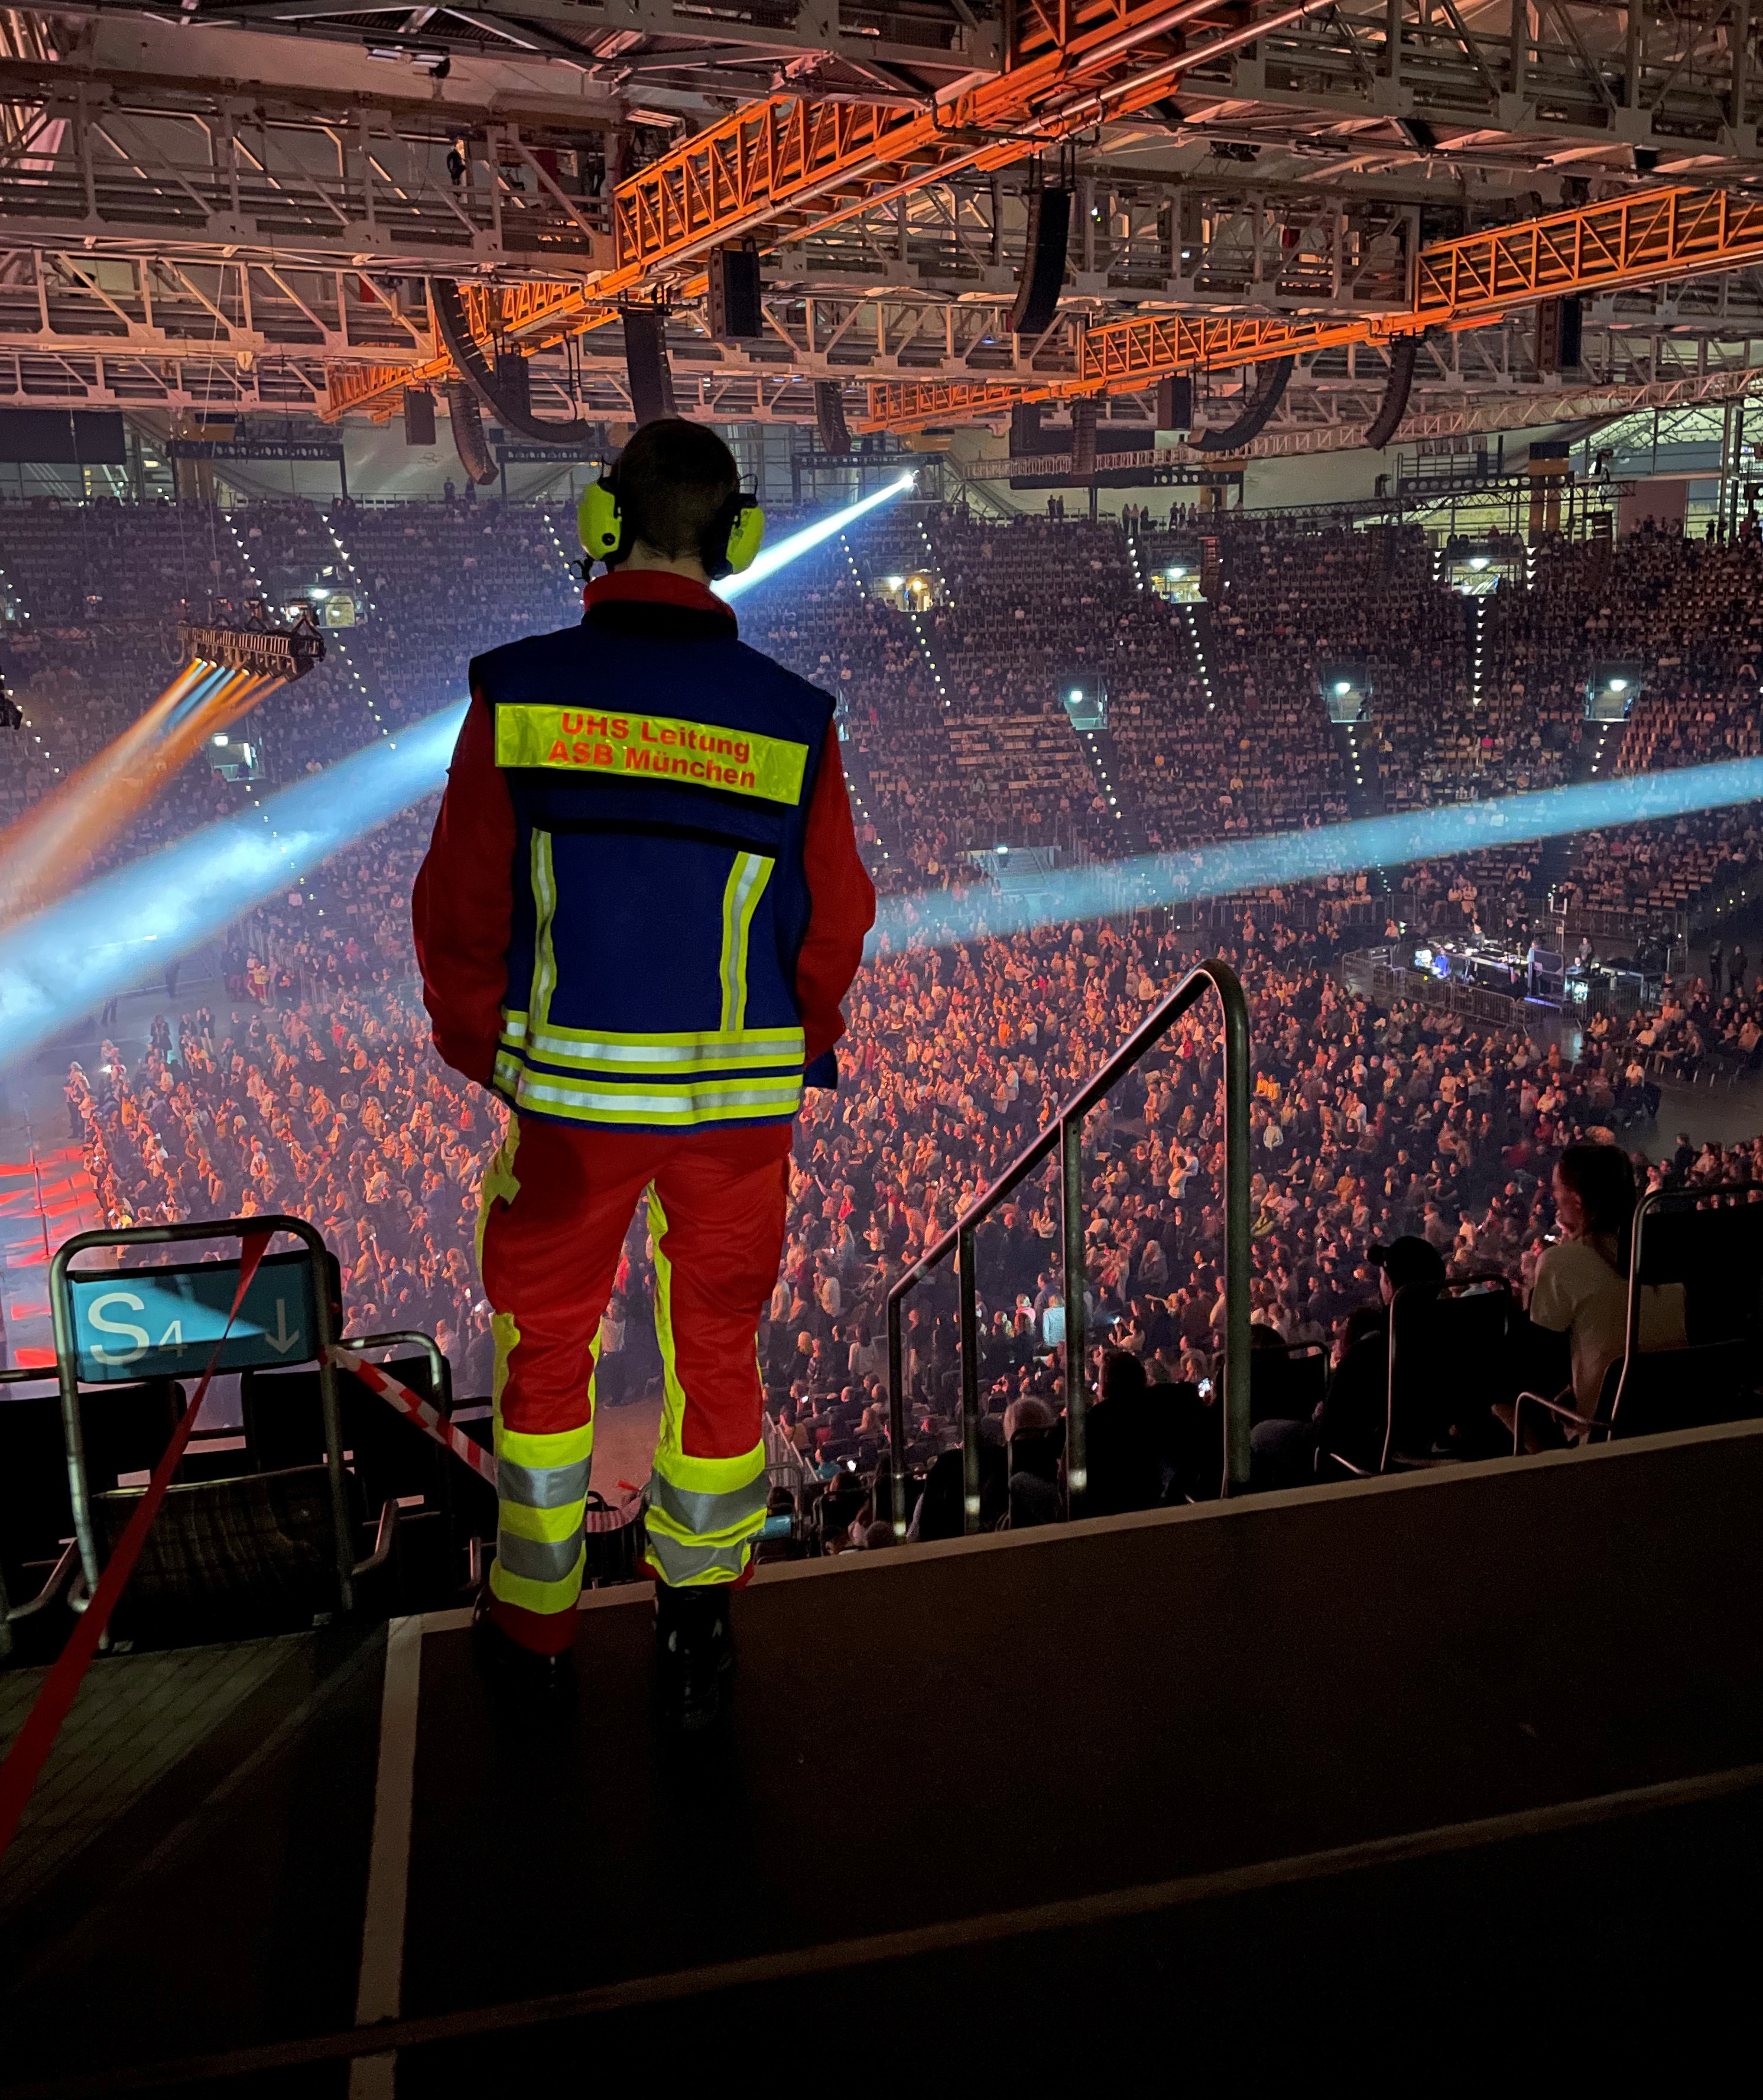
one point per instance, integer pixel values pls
(144, 1323)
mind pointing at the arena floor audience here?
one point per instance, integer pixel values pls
(309, 1084)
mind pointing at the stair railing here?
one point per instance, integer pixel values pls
(1065, 1133)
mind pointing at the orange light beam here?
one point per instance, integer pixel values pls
(99, 803)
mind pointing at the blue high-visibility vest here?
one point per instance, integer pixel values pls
(661, 790)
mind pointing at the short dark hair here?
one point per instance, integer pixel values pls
(673, 478)
(1409, 1259)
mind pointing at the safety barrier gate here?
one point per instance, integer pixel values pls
(1065, 1132)
(93, 1310)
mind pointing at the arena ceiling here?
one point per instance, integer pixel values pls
(217, 206)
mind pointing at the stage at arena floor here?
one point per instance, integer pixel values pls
(1218, 1781)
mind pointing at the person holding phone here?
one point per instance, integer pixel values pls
(1581, 1286)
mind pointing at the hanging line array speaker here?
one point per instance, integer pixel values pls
(1043, 266)
(828, 416)
(467, 433)
(514, 384)
(1394, 406)
(1571, 345)
(419, 416)
(732, 275)
(1083, 415)
(1175, 401)
(474, 368)
(1256, 410)
(645, 365)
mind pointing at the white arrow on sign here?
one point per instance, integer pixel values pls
(281, 1341)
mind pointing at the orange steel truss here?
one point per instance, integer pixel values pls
(784, 166)
(788, 167)
(1640, 240)
(765, 163)
(1658, 235)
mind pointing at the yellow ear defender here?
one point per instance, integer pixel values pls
(599, 520)
(734, 538)
(746, 535)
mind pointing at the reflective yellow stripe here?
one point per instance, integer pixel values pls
(709, 1100)
(695, 1566)
(740, 900)
(562, 1447)
(547, 1525)
(712, 1476)
(581, 740)
(533, 1596)
(704, 1476)
(500, 1180)
(659, 1524)
(672, 1393)
(514, 1026)
(545, 906)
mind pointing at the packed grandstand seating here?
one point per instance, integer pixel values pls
(303, 1080)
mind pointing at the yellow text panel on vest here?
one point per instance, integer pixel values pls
(650, 747)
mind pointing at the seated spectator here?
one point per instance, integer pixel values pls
(1127, 1436)
(1581, 1288)
(1352, 1419)
(1034, 1440)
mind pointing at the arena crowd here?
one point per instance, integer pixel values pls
(310, 1085)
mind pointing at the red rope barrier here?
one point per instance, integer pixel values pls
(26, 1758)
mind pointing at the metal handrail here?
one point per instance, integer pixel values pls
(1065, 1132)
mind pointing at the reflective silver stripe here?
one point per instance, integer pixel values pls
(539, 1559)
(682, 1104)
(546, 1487)
(747, 880)
(723, 1518)
(681, 1565)
(513, 1027)
(713, 1050)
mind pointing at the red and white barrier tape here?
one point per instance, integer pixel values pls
(429, 1418)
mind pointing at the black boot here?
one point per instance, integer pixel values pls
(518, 1673)
(694, 1653)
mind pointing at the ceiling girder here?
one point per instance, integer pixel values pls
(1657, 236)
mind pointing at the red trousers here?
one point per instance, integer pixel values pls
(557, 1202)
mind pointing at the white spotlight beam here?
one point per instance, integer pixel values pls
(63, 962)
(66, 961)
(771, 559)
(936, 918)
